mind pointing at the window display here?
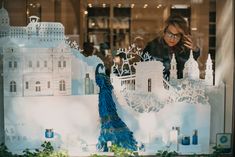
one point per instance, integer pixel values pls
(122, 87)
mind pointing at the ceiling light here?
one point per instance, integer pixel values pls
(132, 5)
(159, 6)
(90, 5)
(104, 5)
(119, 5)
(179, 6)
(145, 5)
(197, 1)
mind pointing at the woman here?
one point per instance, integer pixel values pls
(175, 39)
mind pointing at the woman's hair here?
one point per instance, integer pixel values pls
(179, 21)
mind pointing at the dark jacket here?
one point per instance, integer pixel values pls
(160, 51)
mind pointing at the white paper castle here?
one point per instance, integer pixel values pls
(39, 59)
(148, 84)
(36, 59)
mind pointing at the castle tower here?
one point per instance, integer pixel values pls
(34, 26)
(149, 79)
(4, 22)
(173, 73)
(209, 71)
(191, 68)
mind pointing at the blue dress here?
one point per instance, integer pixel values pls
(112, 127)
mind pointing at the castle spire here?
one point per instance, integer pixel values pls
(2, 3)
(209, 71)
(173, 71)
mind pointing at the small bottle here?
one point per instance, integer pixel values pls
(186, 140)
(174, 135)
(96, 89)
(49, 133)
(91, 87)
(87, 84)
(179, 137)
(195, 137)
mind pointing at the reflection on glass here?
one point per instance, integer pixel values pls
(33, 9)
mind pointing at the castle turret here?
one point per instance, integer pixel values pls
(149, 79)
(4, 22)
(173, 73)
(191, 68)
(209, 71)
(33, 27)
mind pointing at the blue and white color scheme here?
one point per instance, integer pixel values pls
(49, 84)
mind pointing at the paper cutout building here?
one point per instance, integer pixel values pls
(38, 62)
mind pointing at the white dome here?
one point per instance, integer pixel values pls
(3, 12)
(4, 18)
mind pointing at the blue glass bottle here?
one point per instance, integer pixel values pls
(49, 133)
(195, 137)
(186, 140)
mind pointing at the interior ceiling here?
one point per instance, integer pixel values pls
(141, 3)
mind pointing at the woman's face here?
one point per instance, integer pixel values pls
(172, 35)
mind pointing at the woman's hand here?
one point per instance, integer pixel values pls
(190, 43)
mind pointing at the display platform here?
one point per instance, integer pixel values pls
(75, 123)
